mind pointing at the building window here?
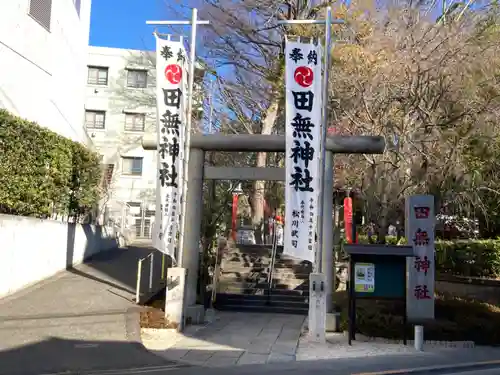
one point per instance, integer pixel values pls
(132, 166)
(134, 122)
(41, 11)
(97, 75)
(137, 78)
(95, 119)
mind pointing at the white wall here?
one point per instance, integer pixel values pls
(115, 99)
(34, 249)
(42, 73)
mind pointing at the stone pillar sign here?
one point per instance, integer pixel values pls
(317, 307)
(420, 225)
(174, 304)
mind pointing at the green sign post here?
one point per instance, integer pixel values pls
(376, 272)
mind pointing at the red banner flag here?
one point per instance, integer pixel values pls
(234, 217)
(348, 218)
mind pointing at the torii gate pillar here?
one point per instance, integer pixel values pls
(254, 143)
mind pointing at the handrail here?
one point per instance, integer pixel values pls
(151, 273)
(138, 281)
(215, 279)
(274, 248)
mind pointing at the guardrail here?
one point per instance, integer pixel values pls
(151, 276)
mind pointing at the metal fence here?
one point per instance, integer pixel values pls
(117, 214)
(151, 275)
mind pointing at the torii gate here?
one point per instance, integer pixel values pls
(198, 171)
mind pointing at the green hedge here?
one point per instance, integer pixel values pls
(473, 258)
(42, 173)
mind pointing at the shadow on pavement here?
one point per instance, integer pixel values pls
(55, 355)
(116, 268)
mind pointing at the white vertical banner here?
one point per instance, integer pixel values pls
(303, 85)
(420, 225)
(171, 116)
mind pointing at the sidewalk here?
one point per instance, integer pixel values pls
(237, 338)
(83, 319)
(233, 339)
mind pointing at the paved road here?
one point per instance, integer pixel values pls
(494, 371)
(380, 365)
(77, 320)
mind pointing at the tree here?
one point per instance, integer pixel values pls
(244, 45)
(431, 91)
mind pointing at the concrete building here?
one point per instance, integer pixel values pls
(120, 109)
(43, 54)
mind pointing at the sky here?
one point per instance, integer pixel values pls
(122, 23)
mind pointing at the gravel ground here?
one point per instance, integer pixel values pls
(336, 347)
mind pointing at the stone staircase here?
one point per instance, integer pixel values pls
(244, 281)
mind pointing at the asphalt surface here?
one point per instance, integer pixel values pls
(83, 322)
(447, 362)
(79, 320)
(494, 371)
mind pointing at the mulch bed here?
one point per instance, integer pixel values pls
(154, 315)
(456, 319)
(155, 318)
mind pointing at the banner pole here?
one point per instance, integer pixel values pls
(189, 117)
(321, 193)
(185, 260)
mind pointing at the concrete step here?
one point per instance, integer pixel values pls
(261, 281)
(262, 303)
(277, 274)
(263, 309)
(242, 268)
(264, 262)
(292, 299)
(263, 255)
(262, 290)
(263, 284)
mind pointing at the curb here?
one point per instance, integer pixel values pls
(133, 334)
(134, 330)
(472, 366)
(133, 327)
(434, 343)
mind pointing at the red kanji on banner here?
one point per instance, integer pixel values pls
(421, 292)
(422, 264)
(421, 238)
(304, 76)
(422, 212)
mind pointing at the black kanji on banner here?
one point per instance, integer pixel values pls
(302, 152)
(302, 127)
(171, 149)
(171, 123)
(166, 52)
(303, 100)
(172, 97)
(296, 55)
(168, 175)
(301, 179)
(312, 58)
(181, 58)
